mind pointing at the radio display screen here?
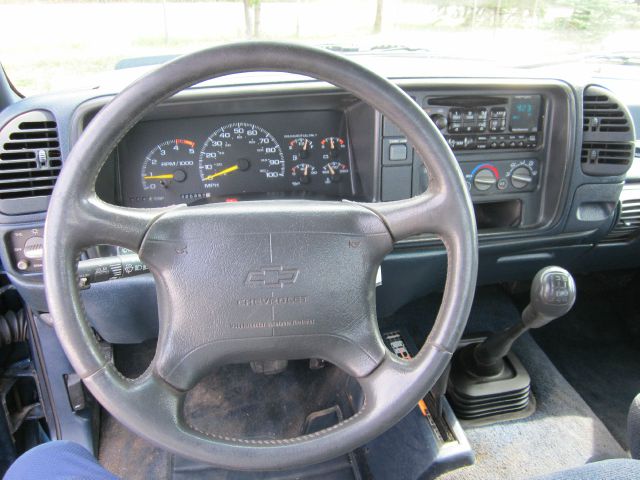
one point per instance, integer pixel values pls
(525, 113)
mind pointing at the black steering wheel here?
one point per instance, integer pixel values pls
(208, 263)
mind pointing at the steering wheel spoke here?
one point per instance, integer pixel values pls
(430, 212)
(101, 223)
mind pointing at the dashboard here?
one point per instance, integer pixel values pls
(545, 163)
(231, 158)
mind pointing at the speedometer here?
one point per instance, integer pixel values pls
(238, 157)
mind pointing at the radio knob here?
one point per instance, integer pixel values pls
(440, 121)
(484, 179)
(521, 177)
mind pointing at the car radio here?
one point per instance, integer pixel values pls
(488, 123)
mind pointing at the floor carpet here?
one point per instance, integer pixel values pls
(564, 432)
(596, 348)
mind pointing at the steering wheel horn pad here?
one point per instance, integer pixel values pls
(259, 280)
(265, 281)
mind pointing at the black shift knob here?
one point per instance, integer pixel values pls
(553, 293)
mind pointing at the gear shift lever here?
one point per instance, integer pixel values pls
(553, 293)
(486, 378)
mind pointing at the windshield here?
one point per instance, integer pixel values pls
(60, 45)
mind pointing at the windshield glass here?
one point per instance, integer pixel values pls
(59, 45)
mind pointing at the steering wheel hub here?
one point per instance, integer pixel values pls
(239, 282)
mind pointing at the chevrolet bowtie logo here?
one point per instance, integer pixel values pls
(273, 276)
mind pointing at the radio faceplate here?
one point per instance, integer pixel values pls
(510, 122)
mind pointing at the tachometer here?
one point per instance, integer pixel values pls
(237, 157)
(166, 169)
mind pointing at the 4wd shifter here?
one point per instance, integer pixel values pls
(486, 378)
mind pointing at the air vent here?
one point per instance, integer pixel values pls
(602, 113)
(602, 154)
(608, 136)
(30, 157)
(628, 225)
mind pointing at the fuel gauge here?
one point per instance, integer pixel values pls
(301, 147)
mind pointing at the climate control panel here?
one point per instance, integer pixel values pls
(502, 176)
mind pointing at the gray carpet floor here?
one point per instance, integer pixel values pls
(564, 432)
(600, 335)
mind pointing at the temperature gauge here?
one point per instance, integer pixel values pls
(302, 174)
(333, 171)
(332, 146)
(301, 147)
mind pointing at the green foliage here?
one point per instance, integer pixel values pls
(596, 18)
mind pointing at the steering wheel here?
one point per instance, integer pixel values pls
(259, 280)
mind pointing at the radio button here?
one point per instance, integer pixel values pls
(455, 127)
(455, 115)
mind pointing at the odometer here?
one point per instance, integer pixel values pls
(239, 157)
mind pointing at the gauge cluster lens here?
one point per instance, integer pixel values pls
(235, 154)
(168, 171)
(188, 160)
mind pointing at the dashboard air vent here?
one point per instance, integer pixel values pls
(601, 153)
(608, 134)
(30, 157)
(602, 113)
(628, 224)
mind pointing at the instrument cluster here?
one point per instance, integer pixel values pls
(232, 158)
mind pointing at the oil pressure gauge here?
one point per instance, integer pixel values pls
(303, 173)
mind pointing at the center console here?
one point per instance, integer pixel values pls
(503, 139)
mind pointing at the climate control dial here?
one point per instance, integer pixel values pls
(521, 177)
(485, 177)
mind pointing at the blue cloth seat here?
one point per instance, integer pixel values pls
(59, 460)
(618, 469)
(62, 460)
